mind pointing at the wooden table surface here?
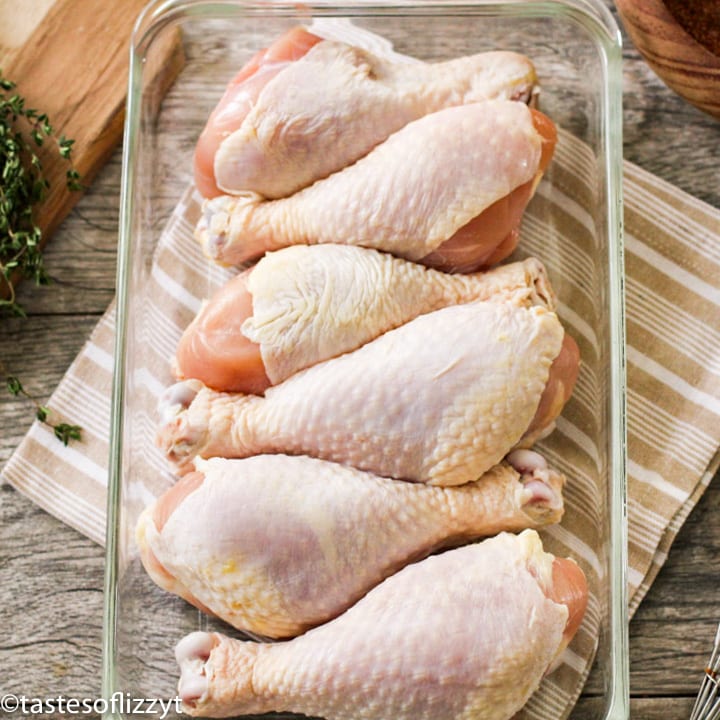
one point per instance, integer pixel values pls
(51, 577)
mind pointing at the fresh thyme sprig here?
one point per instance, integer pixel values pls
(22, 186)
(63, 431)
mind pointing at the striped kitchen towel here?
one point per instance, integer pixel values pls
(673, 324)
(672, 266)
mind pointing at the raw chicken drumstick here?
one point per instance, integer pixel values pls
(305, 304)
(447, 190)
(275, 544)
(335, 103)
(465, 634)
(440, 399)
(239, 97)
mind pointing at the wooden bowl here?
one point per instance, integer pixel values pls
(680, 40)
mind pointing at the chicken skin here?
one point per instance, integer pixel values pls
(465, 634)
(439, 400)
(305, 304)
(275, 544)
(240, 95)
(455, 181)
(336, 102)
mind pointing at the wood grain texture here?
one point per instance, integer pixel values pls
(74, 68)
(51, 578)
(688, 67)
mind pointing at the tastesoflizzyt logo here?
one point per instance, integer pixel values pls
(118, 702)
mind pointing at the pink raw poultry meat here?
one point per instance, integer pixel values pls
(440, 399)
(305, 304)
(447, 190)
(275, 544)
(439, 640)
(239, 97)
(337, 102)
(307, 107)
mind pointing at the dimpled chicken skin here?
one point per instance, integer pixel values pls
(275, 544)
(304, 304)
(440, 400)
(239, 97)
(428, 184)
(464, 635)
(335, 103)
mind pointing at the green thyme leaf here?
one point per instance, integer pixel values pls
(65, 432)
(23, 186)
(13, 385)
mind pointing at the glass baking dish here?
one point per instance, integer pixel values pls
(573, 224)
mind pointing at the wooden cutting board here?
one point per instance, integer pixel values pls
(74, 67)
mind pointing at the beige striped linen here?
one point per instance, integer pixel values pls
(672, 262)
(673, 321)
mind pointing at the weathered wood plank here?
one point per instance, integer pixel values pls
(81, 259)
(51, 613)
(672, 632)
(74, 67)
(664, 134)
(38, 350)
(51, 577)
(668, 708)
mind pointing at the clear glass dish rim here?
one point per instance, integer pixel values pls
(597, 19)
